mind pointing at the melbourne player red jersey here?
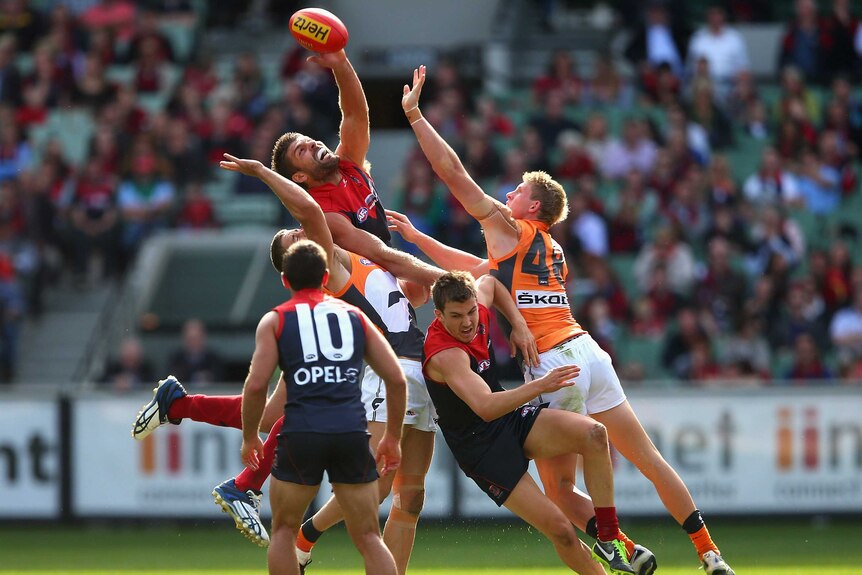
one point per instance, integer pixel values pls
(354, 197)
(457, 420)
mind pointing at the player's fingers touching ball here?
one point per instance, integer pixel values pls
(318, 30)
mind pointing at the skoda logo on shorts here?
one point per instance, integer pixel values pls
(484, 364)
(362, 214)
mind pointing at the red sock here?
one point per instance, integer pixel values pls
(250, 479)
(607, 523)
(222, 410)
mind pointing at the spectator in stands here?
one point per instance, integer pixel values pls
(225, 130)
(634, 150)
(147, 31)
(743, 94)
(775, 236)
(792, 138)
(723, 49)
(130, 370)
(841, 53)
(808, 367)
(703, 366)
(560, 76)
(601, 282)
(574, 160)
(631, 213)
(819, 184)
(645, 321)
(150, 68)
(794, 318)
(586, 232)
(680, 343)
(845, 330)
(687, 210)
(721, 289)
(249, 86)
(57, 82)
(12, 309)
(606, 87)
(479, 155)
(200, 74)
(535, 153)
(195, 361)
(94, 222)
(196, 210)
(597, 140)
(117, 15)
(665, 300)
(661, 86)
(92, 88)
(771, 185)
(420, 200)
(24, 22)
(837, 119)
(146, 195)
(721, 185)
(495, 122)
(658, 41)
(514, 166)
(551, 120)
(711, 118)
(728, 225)
(10, 77)
(185, 155)
(696, 135)
(674, 256)
(747, 344)
(804, 42)
(798, 101)
(15, 152)
(595, 317)
(835, 276)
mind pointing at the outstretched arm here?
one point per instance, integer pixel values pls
(452, 366)
(447, 257)
(400, 264)
(501, 232)
(300, 205)
(263, 364)
(355, 135)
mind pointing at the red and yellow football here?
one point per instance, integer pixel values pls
(318, 30)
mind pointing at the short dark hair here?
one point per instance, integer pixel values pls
(452, 286)
(276, 250)
(304, 265)
(280, 163)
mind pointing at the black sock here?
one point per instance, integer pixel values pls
(310, 532)
(693, 522)
(591, 529)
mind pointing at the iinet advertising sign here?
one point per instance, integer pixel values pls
(169, 474)
(759, 453)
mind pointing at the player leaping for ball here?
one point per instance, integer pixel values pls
(376, 292)
(524, 257)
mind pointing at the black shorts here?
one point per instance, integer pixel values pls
(504, 464)
(302, 457)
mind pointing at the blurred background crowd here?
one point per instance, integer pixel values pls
(713, 236)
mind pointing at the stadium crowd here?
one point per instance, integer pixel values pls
(713, 231)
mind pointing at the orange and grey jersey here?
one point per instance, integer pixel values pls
(535, 274)
(376, 292)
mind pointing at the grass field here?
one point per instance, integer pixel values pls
(786, 547)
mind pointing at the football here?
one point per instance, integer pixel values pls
(318, 30)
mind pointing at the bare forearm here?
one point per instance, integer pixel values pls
(396, 401)
(503, 402)
(297, 201)
(503, 301)
(446, 257)
(253, 403)
(406, 266)
(351, 96)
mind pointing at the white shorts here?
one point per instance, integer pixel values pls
(597, 387)
(420, 411)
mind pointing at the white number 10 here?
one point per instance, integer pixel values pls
(322, 344)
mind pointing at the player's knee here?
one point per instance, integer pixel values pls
(560, 531)
(597, 438)
(366, 541)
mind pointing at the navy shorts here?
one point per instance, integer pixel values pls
(503, 464)
(302, 457)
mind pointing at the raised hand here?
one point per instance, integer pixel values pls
(329, 60)
(400, 223)
(410, 98)
(247, 167)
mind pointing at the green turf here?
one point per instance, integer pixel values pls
(753, 547)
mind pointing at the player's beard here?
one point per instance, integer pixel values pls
(325, 169)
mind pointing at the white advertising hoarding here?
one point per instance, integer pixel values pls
(29, 459)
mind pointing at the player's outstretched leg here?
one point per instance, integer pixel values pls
(244, 509)
(155, 413)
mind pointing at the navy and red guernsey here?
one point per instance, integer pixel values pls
(321, 345)
(354, 197)
(467, 434)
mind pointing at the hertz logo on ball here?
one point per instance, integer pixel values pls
(311, 29)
